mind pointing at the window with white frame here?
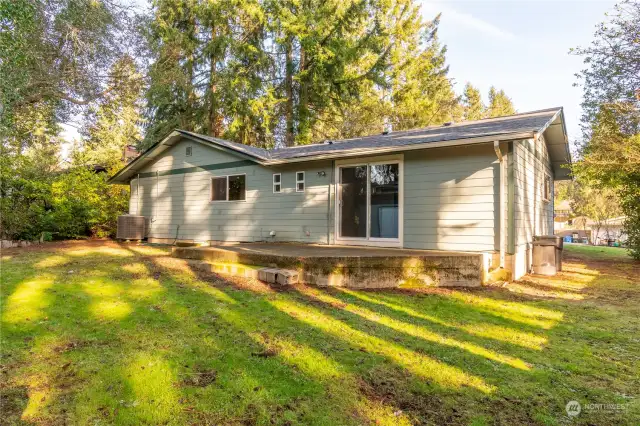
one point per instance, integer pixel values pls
(277, 183)
(299, 181)
(228, 188)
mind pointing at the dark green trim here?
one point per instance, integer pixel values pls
(511, 220)
(196, 169)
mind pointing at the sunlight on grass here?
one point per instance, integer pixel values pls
(125, 334)
(154, 395)
(112, 309)
(52, 261)
(543, 318)
(29, 300)
(420, 365)
(416, 331)
(144, 288)
(148, 250)
(137, 268)
(505, 334)
(179, 266)
(92, 251)
(603, 252)
(341, 385)
(100, 288)
(39, 398)
(40, 379)
(566, 285)
(220, 295)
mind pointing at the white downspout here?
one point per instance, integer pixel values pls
(496, 147)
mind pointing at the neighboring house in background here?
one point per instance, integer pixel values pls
(562, 215)
(578, 235)
(611, 229)
(480, 186)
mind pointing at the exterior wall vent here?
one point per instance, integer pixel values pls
(189, 150)
(131, 227)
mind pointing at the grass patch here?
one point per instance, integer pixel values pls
(598, 252)
(98, 332)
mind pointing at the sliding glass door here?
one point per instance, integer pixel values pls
(369, 202)
(353, 197)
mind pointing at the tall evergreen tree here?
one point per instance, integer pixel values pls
(421, 92)
(116, 121)
(472, 104)
(499, 104)
(171, 96)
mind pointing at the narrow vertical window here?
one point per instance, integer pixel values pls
(277, 183)
(299, 181)
(547, 188)
(188, 153)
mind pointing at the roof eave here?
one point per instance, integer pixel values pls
(143, 159)
(426, 145)
(124, 175)
(559, 165)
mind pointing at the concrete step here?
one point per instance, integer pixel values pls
(269, 275)
(278, 276)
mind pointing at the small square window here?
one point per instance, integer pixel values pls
(299, 181)
(188, 152)
(277, 183)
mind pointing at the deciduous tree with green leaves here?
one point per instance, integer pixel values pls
(610, 152)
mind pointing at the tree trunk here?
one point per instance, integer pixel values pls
(187, 119)
(214, 116)
(303, 104)
(288, 83)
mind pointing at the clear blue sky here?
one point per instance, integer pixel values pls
(521, 47)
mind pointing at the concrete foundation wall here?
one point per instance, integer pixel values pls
(352, 271)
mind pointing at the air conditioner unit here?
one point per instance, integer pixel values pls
(131, 227)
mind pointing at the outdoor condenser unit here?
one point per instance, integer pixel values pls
(131, 227)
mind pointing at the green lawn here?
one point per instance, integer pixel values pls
(101, 333)
(602, 252)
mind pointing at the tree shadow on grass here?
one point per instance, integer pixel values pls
(142, 338)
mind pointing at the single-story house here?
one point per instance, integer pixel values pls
(478, 186)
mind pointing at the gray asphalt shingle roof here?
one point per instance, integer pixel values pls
(518, 123)
(515, 126)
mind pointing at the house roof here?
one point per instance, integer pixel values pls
(518, 126)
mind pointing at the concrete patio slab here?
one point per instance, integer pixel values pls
(348, 266)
